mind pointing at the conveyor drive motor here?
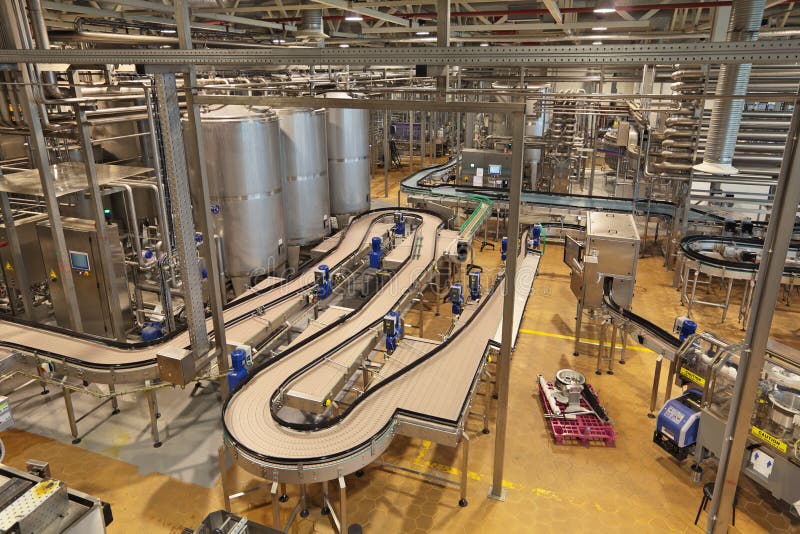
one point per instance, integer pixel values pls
(393, 328)
(322, 279)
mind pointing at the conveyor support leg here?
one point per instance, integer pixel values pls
(153, 407)
(304, 501)
(342, 505)
(656, 382)
(325, 509)
(114, 402)
(276, 507)
(223, 478)
(73, 425)
(464, 469)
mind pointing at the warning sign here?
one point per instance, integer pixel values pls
(769, 438)
(694, 377)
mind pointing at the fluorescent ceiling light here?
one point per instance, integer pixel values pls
(605, 6)
(596, 43)
(169, 31)
(423, 32)
(599, 29)
(484, 44)
(604, 10)
(344, 45)
(353, 16)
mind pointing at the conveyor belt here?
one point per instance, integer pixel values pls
(431, 388)
(698, 248)
(111, 360)
(412, 185)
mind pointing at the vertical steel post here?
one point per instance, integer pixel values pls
(20, 271)
(205, 222)
(770, 271)
(387, 153)
(73, 424)
(11, 20)
(89, 164)
(504, 362)
(178, 178)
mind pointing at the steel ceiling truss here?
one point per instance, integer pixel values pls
(758, 52)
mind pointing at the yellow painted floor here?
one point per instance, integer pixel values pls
(632, 487)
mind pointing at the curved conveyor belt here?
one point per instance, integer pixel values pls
(430, 388)
(702, 250)
(413, 185)
(103, 361)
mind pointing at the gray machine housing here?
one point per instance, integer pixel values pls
(99, 315)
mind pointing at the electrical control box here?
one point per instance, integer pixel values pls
(176, 365)
(100, 314)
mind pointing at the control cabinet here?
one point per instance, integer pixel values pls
(99, 315)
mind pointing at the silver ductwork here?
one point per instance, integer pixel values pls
(732, 80)
(311, 27)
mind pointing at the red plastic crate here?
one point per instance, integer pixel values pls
(583, 428)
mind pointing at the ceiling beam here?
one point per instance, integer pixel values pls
(367, 12)
(86, 10)
(552, 7)
(523, 26)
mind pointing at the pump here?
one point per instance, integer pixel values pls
(475, 285)
(456, 298)
(504, 249)
(376, 254)
(322, 279)
(393, 328)
(399, 223)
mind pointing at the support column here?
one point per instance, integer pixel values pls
(776, 246)
(11, 19)
(387, 153)
(504, 362)
(178, 179)
(205, 222)
(20, 271)
(85, 141)
(73, 424)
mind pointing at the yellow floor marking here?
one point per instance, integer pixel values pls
(583, 339)
(420, 461)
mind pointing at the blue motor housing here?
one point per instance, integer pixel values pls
(376, 254)
(322, 279)
(393, 328)
(399, 223)
(504, 249)
(684, 327)
(152, 331)
(475, 285)
(536, 236)
(238, 370)
(456, 298)
(677, 424)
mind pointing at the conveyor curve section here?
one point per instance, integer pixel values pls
(104, 361)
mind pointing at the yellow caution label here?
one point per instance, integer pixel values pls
(52, 274)
(694, 377)
(769, 438)
(9, 267)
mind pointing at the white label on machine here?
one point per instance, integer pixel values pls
(762, 463)
(477, 181)
(673, 415)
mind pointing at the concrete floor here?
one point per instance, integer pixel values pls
(633, 486)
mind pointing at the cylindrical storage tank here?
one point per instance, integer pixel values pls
(348, 159)
(242, 154)
(304, 154)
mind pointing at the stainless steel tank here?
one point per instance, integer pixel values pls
(242, 155)
(304, 153)
(348, 159)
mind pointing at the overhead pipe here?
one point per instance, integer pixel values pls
(732, 80)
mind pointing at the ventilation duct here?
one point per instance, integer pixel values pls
(732, 80)
(311, 26)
